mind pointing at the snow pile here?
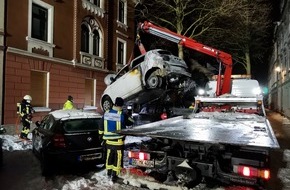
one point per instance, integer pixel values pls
(13, 142)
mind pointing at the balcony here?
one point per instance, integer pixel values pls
(92, 61)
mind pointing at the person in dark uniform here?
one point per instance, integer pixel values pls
(25, 112)
(114, 120)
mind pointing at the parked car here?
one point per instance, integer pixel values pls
(2, 130)
(145, 78)
(1, 153)
(67, 138)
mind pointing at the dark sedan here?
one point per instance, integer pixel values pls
(67, 138)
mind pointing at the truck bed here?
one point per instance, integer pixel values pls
(214, 128)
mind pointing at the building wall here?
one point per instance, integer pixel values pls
(2, 49)
(279, 78)
(61, 59)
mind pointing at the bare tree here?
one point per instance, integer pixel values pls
(236, 26)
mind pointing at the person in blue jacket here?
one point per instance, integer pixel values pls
(114, 120)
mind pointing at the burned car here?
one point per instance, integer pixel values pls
(146, 78)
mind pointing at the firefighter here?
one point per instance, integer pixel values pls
(113, 120)
(26, 112)
(192, 106)
(69, 104)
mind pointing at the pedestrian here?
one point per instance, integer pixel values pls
(114, 120)
(25, 112)
(69, 104)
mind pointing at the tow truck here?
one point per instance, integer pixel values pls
(227, 138)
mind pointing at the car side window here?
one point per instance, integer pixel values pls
(137, 61)
(49, 123)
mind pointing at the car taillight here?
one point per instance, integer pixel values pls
(58, 141)
(139, 155)
(252, 172)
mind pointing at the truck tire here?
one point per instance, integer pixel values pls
(188, 177)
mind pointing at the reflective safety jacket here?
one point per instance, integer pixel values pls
(25, 109)
(113, 120)
(68, 105)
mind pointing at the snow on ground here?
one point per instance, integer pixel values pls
(99, 180)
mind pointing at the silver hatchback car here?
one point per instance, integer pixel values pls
(145, 78)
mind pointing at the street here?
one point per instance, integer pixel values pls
(21, 169)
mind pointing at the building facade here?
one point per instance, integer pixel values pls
(2, 52)
(279, 70)
(56, 48)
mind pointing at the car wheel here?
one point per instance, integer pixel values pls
(46, 167)
(107, 103)
(1, 154)
(154, 81)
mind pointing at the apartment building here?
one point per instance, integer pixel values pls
(56, 48)
(279, 70)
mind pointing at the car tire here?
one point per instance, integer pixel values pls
(1, 153)
(154, 81)
(107, 103)
(46, 167)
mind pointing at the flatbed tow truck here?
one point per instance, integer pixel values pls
(227, 138)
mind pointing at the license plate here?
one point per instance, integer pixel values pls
(89, 157)
(143, 163)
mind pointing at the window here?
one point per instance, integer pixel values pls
(91, 39)
(121, 45)
(39, 22)
(121, 11)
(39, 88)
(90, 92)
(81, 125)
(122, 14)
(97, 2)
(85, 36)
(96, 43)
(40, 27)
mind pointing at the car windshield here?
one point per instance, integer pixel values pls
(164, 52)
(78, 125)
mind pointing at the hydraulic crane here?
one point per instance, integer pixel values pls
(225, 59)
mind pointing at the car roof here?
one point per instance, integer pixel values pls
(74, 114)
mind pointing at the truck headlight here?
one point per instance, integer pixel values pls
(257, 91)
(201, 92)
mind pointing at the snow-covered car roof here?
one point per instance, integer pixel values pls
(74, 114)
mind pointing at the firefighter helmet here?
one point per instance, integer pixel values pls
(27, 98)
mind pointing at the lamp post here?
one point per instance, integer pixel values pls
(278, 71)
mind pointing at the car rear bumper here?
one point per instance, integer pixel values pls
(95, 156)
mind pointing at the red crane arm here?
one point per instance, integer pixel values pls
(224, 58)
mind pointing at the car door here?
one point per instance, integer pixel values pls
(129, 83)
(42, 134)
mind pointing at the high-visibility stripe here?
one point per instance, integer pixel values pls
(118, 166)
(25, 131)
(115, 117)
(112, 116)
(118, 142)
(108, 167)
